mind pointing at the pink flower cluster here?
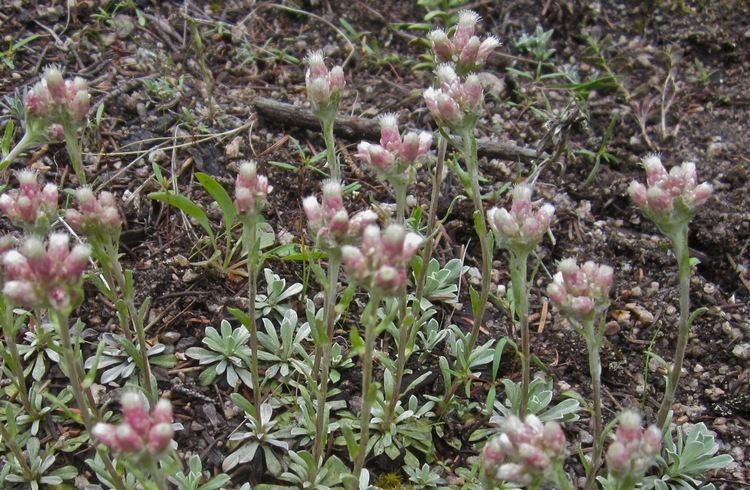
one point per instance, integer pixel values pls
(94, 214)
(251, 189)
(139, 430)
(464, 48)
(521, 227)
(634, 448)
(31, 204)
(57, 100)
(525, 452)
(37, 276)
(323, 86)
(380, 262)
(394, 154)
(580, 291)
(329, 221)
(670, 196)
(455, 103)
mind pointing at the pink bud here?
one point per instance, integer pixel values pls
(441, 45)
(604, 278)
(87, 202)
(655, 171)
(74, 219)
(473, 93)
(79, 106)
(162, 412)
(469, 52)
(582, 305)
(111, 218)
(448, 109)
(313, 211)
(556, 293)
(337, 79)
(20, 293)
(554, 438)
(390, 138)
(467, 21)
(38, 100)
(243, 199)
(446, 74)
(135, 412)
(393, 240)
(414, 146)
(360, 220)
(49, 196)
(58, 247)
(247, 172)
(512, 472)
(371, 239)
(77, 262)
(430, 99)
(637, 192)
(486, 48)
(389, 279)
(651, 440)
(56, 132)
(702, 193)
(339, 224)
(159, 437)
(412, 241)
(630, 427)
(128, 439)
(106, 434)
(618, 458)
(533, 457)
(316, 67)
(492, 454)
(354, 261)
(53, 78)
(659, 200)
(107, 199)
(375, 155)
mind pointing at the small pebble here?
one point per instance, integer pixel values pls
(170, 337)
(642, 313)
(742, 351)
(190, 276)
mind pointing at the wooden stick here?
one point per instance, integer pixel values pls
(356, 128)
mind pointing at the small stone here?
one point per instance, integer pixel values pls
(196, 427)
(234, 148)
(190, 276)
(475, 277)
(714, 393)
(742, 351)
(642, 313)
(170, 337)
(636, 292)
(157, 156)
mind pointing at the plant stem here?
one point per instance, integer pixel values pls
(84, 398)
(593, 343)
(9, 441)
(682, 253)
(9, 332)
(249, 237)
(329, 316)
(431, 220)
(333, 163)
(404, 337)
(518, 274)
(25, 142)
(73, 145)
(370, 320)
(472, 164)
(399, 188)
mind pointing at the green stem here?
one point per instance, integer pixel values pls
(333, 163)
(399, 188)
(9, 441)
(431, 220)
(593, 344)
(682, 253)
(9, 332)
(249, 237)
(84, 398)
(519, 278)
(73, 145)
(404, 336)
(25, 142)
(370, 320)
(472, 165)
(329, 316)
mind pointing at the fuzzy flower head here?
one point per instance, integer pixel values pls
(396, 155)
(39, 275)
(251, 189)
(523, 227)
(455, 102)
(581, 291)
(464, 47)
(31, 206)
(330, 223)
(140, 430)
(525, 453)
(323, 86)
(380, 262)
(96, 215)
(669, 198)
(54, 100)
(634, 448)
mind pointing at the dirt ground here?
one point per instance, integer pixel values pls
(674, 77)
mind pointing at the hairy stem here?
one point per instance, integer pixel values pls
(682, 253)
(333, 162)
(27, 140)
(73, 145)
(9, 332)
(518, 274)
(249, 237)
(593, 344)
(403, 338)
(370, 320)
(399, 188)
(329, 316)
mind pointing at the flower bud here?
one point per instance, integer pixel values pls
(135, 412)
(128, 439)
(162, 412)
(159, 437)
(469, 52)
(20, 293)
(441, 45)
(105, 434)
(390, 138)
(486, 48)
(55, 83)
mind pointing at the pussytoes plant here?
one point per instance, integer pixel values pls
(671, 200)
(96, 215)
(527, 453)
(632, 450)
(519, 230)
(32, 206)
(455, 103)
(463, 47)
